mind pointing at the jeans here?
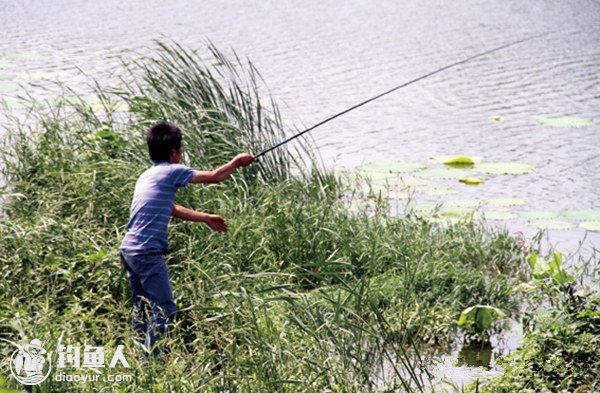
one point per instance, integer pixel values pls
(151, 295)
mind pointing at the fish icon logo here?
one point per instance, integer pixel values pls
(30, 364)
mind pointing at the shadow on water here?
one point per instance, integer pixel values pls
(475, 355)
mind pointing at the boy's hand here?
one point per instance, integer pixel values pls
(216, 223)
(243, 159)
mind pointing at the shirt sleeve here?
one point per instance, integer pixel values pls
(181, 175)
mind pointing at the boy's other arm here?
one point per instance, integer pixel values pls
(222, 173)
(215, 222)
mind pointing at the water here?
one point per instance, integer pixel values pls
(319, 57)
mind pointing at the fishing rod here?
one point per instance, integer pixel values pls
(400, 87)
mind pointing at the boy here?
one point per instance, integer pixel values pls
(146, 239)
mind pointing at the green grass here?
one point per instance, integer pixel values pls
(559, 351)
(300, 294)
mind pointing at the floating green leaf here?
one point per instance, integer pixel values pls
(566, 122)
(496, 215)
(392, 167)
(538, 215)
(591, 225)
(589, 214)
(446, 220)
(465, 214)
(380, 176)
(440, 173)
(459, 161)
(552, 224)
(469, 203)
(471, 181)
(504, 168)
(413, 181)
(443, 159)
(506, 201)
(387, 190)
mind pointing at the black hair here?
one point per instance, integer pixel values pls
(162, 138)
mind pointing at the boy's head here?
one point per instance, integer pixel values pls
(164, 142)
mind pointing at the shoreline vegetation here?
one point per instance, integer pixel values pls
(301, 295)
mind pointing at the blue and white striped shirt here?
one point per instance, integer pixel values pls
(152, 207)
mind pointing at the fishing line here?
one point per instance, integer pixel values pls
(400, 87)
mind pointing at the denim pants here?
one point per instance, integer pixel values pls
(151, 295)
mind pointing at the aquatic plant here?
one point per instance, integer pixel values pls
(559, 352)
(478, 321)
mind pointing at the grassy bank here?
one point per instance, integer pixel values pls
(559, 352)
(299, 295)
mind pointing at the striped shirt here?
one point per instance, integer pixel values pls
(152, 207)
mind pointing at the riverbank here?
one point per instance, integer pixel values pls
(302, 294)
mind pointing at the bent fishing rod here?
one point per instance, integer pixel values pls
(398, 88)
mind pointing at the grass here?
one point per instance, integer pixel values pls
(300, 295)
(559, 351)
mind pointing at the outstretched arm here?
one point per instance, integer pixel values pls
(215, 222)
(222, 173)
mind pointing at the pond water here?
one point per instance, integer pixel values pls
(320, 57)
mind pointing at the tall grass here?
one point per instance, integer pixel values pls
(300, 295)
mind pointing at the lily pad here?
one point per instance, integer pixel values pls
(506, 201)
(440, 173)
(464, 203)
(444, 221)
(504, 168)
(413, 181)
(566, 122)
(459, 161)
(439, 191)
(552, 224)
(472, 181)
(589, 214)
(496, 215)
(444, 159)
(387, 190)
(591, 225)
(538, 215)
(379, 176)
(392, 167)
(463, 214)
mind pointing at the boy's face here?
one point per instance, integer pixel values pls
(176, 156)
